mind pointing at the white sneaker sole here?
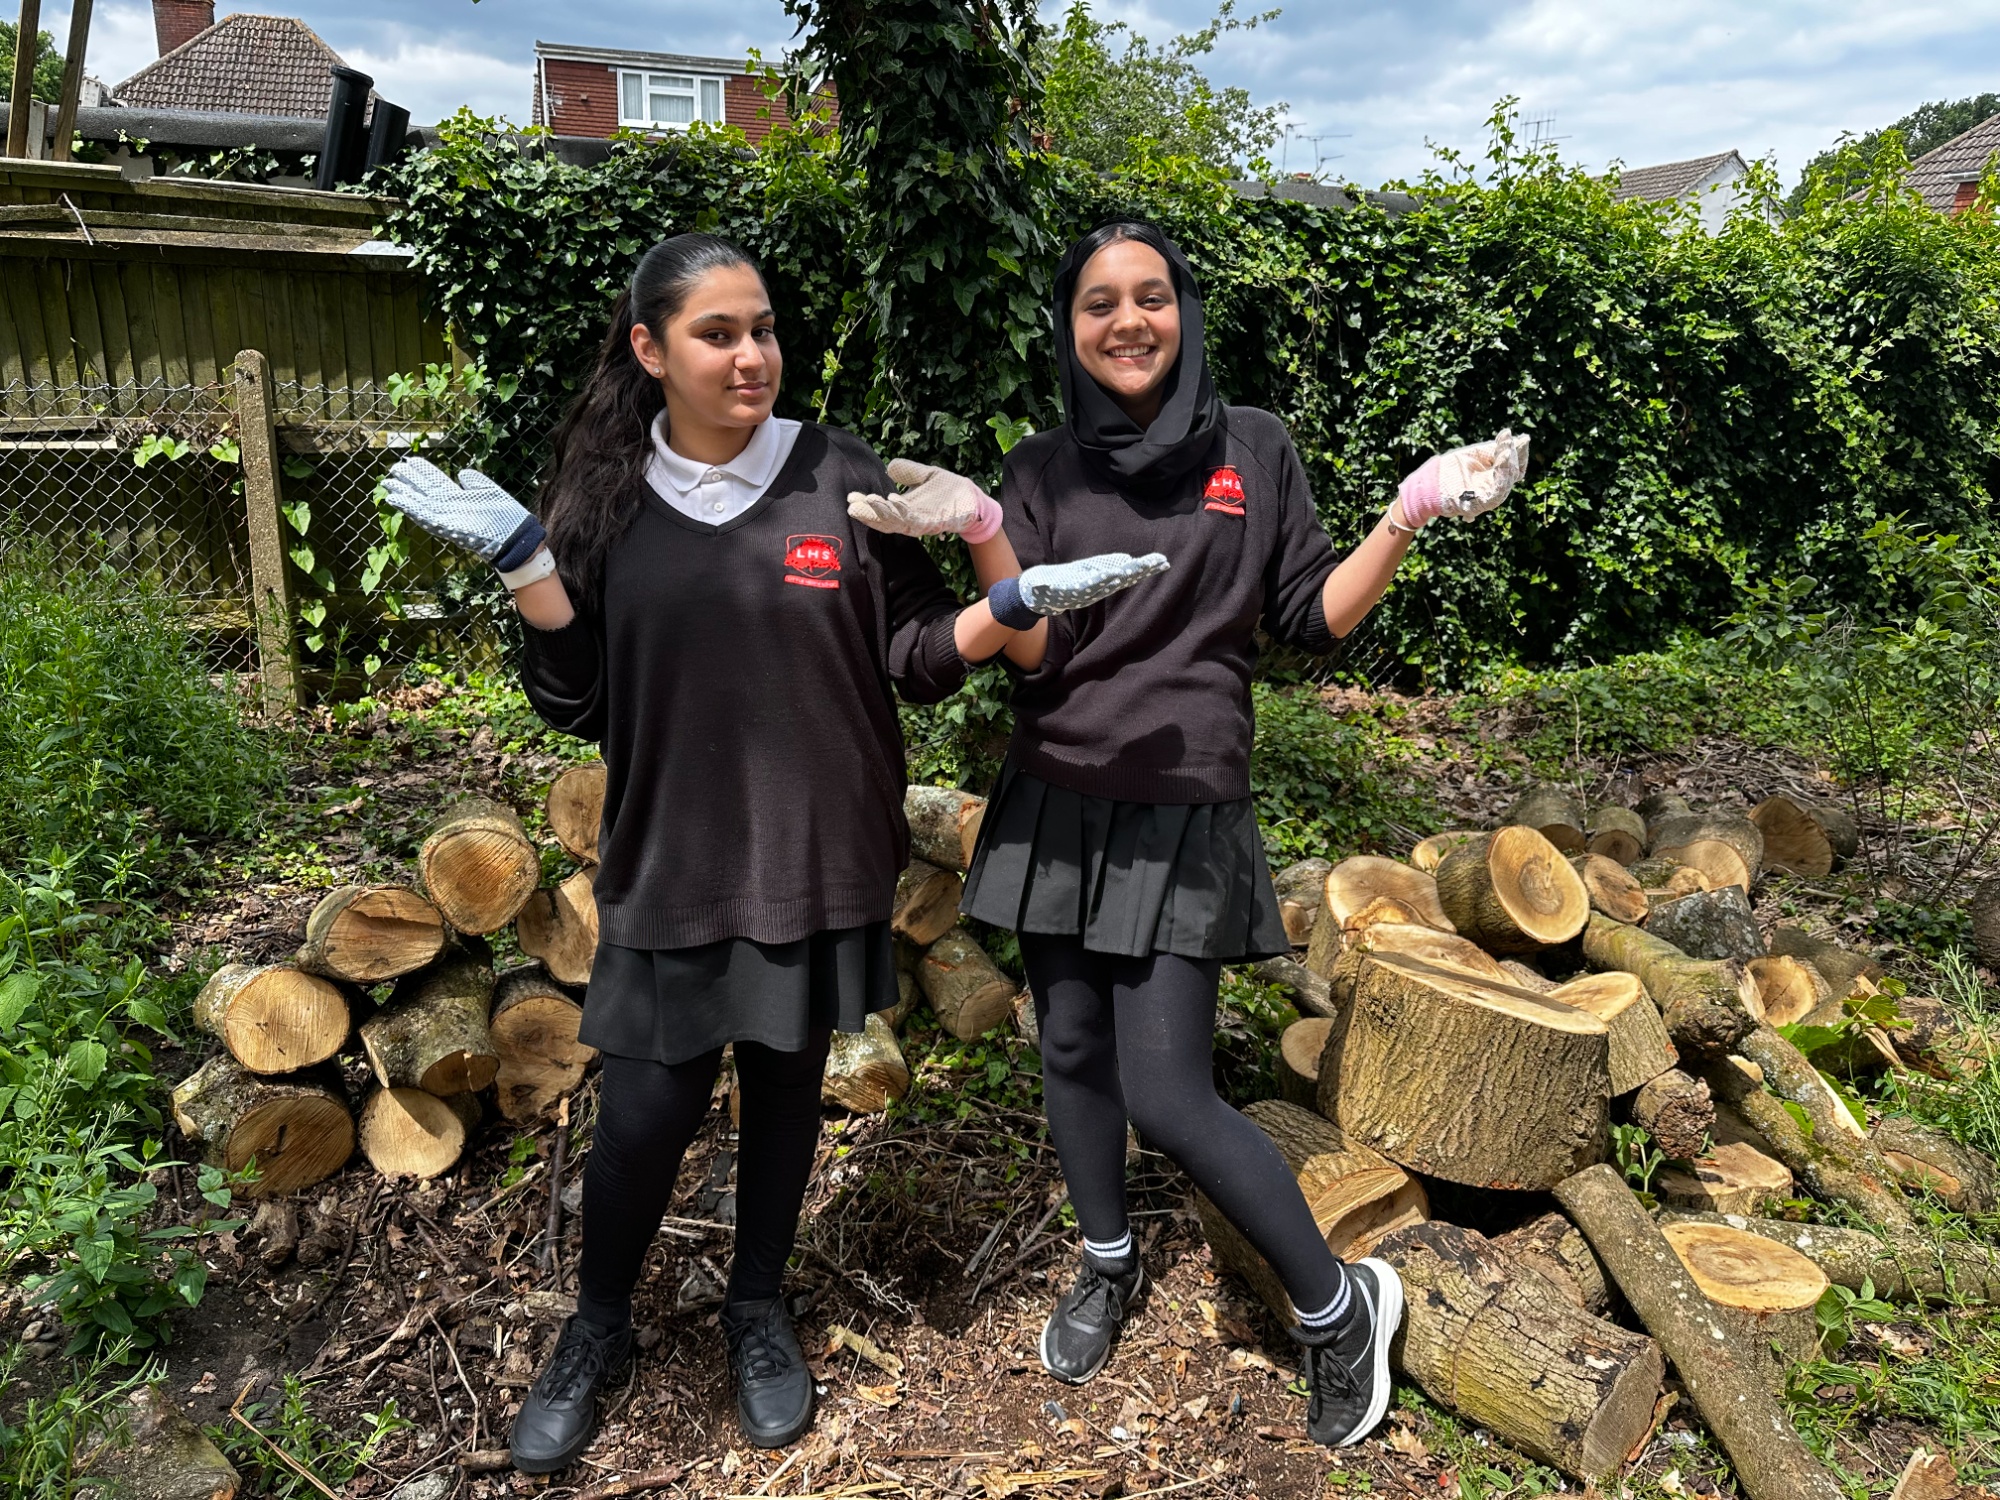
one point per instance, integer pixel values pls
(1138, 1287)
(1388, 1318)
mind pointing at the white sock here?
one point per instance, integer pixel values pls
(1327, 1316)
(1113, 1250)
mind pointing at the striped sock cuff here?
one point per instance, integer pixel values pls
(1118, 1249)
(1332, 1313)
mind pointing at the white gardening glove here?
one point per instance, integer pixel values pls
(1464, 482)
(1018, 603)
(474, 513)
(933, 502)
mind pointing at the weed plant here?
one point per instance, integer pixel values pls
(55, 1424)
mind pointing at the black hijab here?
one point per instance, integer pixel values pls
(1146, 462)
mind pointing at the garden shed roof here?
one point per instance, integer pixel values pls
(243, 64)
(1938, 172)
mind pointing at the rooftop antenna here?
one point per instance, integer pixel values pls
(1285, 149)
(1541, 130)
(1321, 157)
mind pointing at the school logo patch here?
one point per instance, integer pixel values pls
(1224, 492)
(809, 559)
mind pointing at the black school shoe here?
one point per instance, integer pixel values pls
(1078, 1336)
(559, 1418)
(774, 1389)
(1347, 1373)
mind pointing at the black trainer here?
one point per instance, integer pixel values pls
(559, 1417)
(1347, 1373)
(774, 1389)
(1078, 1336)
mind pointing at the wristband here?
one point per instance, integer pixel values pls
(534, 570)
(524, 543)
(986, 525)
(1008, 607)
(1397, 527)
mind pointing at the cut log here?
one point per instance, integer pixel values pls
(559, 927)
(1356, 1196)
(576, 810)
(1527, 978)
(1795, 842)
(479, 865)
(533, 1030)
(411, 1133)
(1611, 888)
(1677, 1112)
(1930, 1476)
(1310, 994)
(1366, 891)
(147, 1450)
(1553, 813)
(1557, 1249)
(944, 825)
(1617, 833)
(273, 1018)
(1640, 1050)
(1728, 1386)
(1512, 893)
(1713, 924)
(1429, 853)
(1297, 1063)
(1790, 989)
(1468, 1079)
(1859, 1048)
(1962, 1178)
(1901, 1266)
(1734, 1179)
(1837, 965)
(368, 933)
(926, 906)
(1664, 879)
(1728, 850)
(296, 1128)
(1708, 1006)
(1656, 807)
(1299, 888)
(909, 995)
(1928, 1029)
(1026, 1027)
(965, 987)
(1504, 1348)
(865, 1070)
(1765, 1291)
(434, 1033)
(1415, 940)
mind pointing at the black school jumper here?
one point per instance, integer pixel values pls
(741, 680)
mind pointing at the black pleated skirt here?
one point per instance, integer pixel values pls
(1130, 878)
(673, 1004)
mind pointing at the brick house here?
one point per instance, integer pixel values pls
(598, 91)
(1948, 176)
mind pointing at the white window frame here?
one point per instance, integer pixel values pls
(650, 82)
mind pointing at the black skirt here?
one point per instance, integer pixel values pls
(1130, 878)
(673, 1004)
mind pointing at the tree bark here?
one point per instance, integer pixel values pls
(559, 927)
(365, 934)
(1513, 893)
(297, 1128)
(1557, 1249)
(1527, 978)
(434, 1033)
(1297, 1062)
(1715, 925)
(1468, 1079)
(1962, 1178)
(149, 1451)
(1925, 1039)
(1300, 888)
(1764, 1290)
(1790, 989)
(926, 904)
(273, 1018)
(944, 825)
(1611, 888)
(1639, 1048)
(1617, 833)
(1429, 853)
(966, 989)
(865, 1070)
(1838, 966)
(479, 865)
(1553, 813)
(1902, 1266)
(575, 810)
(1728, 850)
(411, 1133)
(1730, 1179)
(533, 1030)
(1729, 1390)
(1677, 1112)
(1708, 1007)
(1656, 807)
(1311, 994)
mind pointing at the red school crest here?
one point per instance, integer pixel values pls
(810, 559)
(1224, 492)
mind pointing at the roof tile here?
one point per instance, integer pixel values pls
(1937, 173)
(243, 64)
(1671, 180)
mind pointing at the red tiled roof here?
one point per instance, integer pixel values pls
(1938, 172)
(243, 64)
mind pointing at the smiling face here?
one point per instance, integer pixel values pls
(1127, 324)
(716, 358)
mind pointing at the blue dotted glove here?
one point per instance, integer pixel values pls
(474, 513)
(1052, 588)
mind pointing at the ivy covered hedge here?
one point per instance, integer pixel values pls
(1706, 410)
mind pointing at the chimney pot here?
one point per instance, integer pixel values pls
(175, 21)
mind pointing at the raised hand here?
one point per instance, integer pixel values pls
(933, 502)
(1465, 482)
(475, 513)
(1054, 587)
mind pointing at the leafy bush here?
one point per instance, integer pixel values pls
(1318, 782)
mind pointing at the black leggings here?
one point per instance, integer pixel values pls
(647, 1114)
(1135, 1038)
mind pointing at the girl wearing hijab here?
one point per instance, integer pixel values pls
(701, 603)
(1121, 843)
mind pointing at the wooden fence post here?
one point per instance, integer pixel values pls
(72, 84)
(23, 88)
(270, 585)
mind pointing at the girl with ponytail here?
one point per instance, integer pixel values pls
(698, 597)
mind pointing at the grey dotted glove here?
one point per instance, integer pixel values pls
(1052, 588)
(475, 513)
(933, 502)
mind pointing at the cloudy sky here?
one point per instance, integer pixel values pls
(1642, 83)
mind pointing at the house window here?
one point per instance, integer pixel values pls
(653, 101)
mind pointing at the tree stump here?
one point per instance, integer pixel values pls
(1557, 1249)
(1611, 888)
(1730, 1179)
(1962, 1178)
(1300, 888)
(1715, 924)
(1414, 941)
(434, 1033)
(1616, 833)
(944, 825)
(1677, 1112)
(1837, 965)
(1640, 1050)
(479, 865)
(368, 933)
(1512, 893)
(1902, 1266)
(1429, 853)
(1297, 1063)
(865, 1070)
(1790, 989)
(965, 987)
(575, 810)
(1708, 1006)
(1728, 850)
(1469, 1079)
(1765, 1290)
(1553, 813)
(559, 927)
(412, 1133)
(1795, 841)
(926, 904)
(296, 1128)
(533, 1030)
(147, 1450)
(273, 1018)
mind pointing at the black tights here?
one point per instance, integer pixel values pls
(647, 1114)
(1135, 1037)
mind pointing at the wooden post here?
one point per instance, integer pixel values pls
(27, 39)
(72, 84)
(270, 584)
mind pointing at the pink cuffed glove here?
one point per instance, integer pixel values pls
(1464, 482)
(933, 502)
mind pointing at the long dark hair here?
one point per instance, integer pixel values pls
(589, 490)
